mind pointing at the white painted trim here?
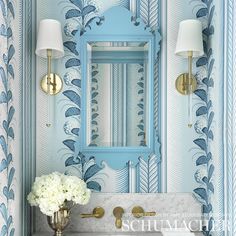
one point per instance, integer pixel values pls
(225, 116)
(28, 110)
(133, 6)
(163, 96)
(230, 117)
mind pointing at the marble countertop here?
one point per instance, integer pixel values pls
(111, 234)
(102, 234)
(169, 208)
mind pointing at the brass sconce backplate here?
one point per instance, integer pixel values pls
(55, 84)
(182, 83)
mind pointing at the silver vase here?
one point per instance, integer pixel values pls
(59, 220)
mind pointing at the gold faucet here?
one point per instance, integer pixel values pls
(118, 212)
(98, 212)
(139, 212)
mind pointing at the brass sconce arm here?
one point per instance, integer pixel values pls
(49, 61)
(50, 80)
(186, 83)
(51, 83)
(190, 62)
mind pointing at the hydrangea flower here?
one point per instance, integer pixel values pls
(50, 192)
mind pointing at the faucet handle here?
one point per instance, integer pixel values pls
(118, 212)
(138, 212)
(98, 212)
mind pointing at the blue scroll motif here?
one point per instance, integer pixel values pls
(7, 74)
(79, 16)
(140, 105)
(205, 117)
(86, 170)
(94, 105)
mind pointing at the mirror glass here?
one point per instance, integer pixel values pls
(117, 92)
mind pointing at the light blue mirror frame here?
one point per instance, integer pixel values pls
(118, 25)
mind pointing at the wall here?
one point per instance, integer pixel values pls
(192, 159)
(10, 117)
(181, 172)
(107, 175)
(195, 163)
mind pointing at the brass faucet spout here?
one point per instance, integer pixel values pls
(118, 212)
(139, 212)
(118, 223)
(98, 212)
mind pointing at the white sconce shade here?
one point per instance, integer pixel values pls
(49, 37)
(189, 39)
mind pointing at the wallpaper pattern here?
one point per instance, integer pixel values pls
(99, 176)
(82, 13)
(204, 140)
(230, 131)
(205, 117)
(7, 119)
(208, 155)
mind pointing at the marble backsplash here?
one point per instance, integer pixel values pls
(172, 210)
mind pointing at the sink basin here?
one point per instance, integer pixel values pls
(115, 234)
(103, 234)
(111, 234)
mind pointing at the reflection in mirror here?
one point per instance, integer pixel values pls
(117, 108)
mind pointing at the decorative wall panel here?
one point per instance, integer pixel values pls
(194, 163)
(230, 119)
(10, 119)
(118, 175)
(194, 157)
(208, 110)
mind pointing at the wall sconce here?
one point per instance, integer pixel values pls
(189, 45)
(50, 45)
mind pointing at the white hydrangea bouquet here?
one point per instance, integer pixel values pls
(51, 192)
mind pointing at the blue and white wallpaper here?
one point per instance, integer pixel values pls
(185, 160)
(191, 160)
(209, 161)
(10, 175)
(196, 163)
(140, 176)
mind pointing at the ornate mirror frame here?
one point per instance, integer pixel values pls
(118, 25)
